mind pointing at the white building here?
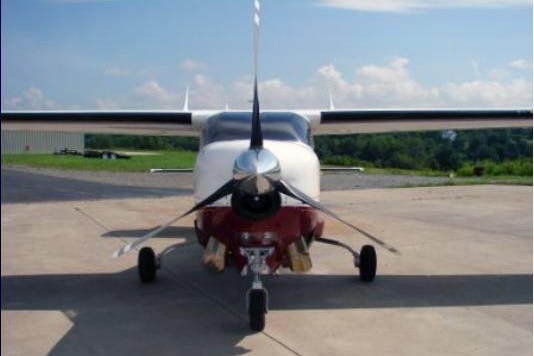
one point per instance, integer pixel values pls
(40, 142)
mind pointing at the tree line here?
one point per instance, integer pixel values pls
(442, 151)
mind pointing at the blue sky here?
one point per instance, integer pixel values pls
(137, 54)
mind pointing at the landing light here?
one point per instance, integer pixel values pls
(268, 236)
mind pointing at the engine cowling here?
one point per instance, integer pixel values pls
(256, 206)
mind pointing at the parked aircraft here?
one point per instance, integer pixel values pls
(256, 178)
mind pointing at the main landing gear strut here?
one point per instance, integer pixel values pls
(365, 261)
(257, 297)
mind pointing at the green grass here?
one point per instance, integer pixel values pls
(422, 173)
(163, 159)
(458, 181)
(186, 159)
(450, 178)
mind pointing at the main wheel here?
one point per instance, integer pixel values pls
(257, 307)
(367, 263)
(146, 265)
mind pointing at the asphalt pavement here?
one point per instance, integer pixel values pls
(461, 285)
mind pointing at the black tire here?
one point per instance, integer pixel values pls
(257, 307)
(146, 265)
(367, 263)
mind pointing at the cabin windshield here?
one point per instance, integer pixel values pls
(278, 126)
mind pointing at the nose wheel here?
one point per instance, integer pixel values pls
(257, 297)
(257, 308)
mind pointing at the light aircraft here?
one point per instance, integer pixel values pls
(256, 178)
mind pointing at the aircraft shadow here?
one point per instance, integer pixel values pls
(400, 291)
(288, 292)
(312, 291)
(190, 311)
(181, 313)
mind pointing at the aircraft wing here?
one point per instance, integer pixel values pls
(328, 122)
(157, 123)
(332, 122)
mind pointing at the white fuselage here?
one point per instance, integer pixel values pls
(298, 163)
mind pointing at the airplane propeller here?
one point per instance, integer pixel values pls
(257, 181)
(256, 174)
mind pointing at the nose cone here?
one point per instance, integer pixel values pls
(258, 168)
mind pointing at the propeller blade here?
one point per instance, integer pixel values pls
(291, 191)
(256, 138)
(227, 188)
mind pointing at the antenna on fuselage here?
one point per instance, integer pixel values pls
(256, 139)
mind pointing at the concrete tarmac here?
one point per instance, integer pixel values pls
(462, 284)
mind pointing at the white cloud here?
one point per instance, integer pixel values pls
(386, 85)
(278, 95)
(374, 86)
(207, 93)
(392, 84)
(31, 99)
(192, 65)
(389, 85)
(274, 94)
(406, 6)
(393, 72)
(151, 95)
(520, 64)
(153, 91)
(516, 93)
(333, 80)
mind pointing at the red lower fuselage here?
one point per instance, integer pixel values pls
(289, 225)
(289, 228)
